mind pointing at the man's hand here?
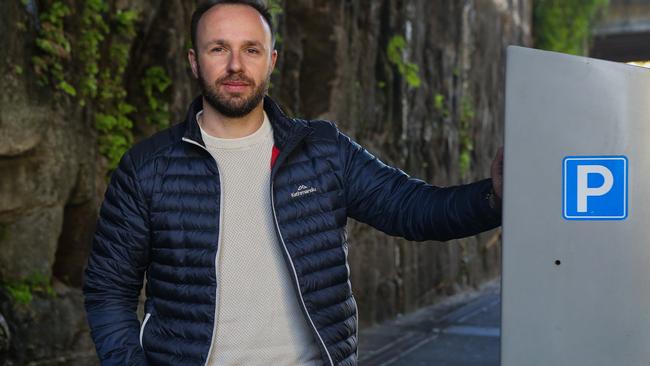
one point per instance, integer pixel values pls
(497, 173)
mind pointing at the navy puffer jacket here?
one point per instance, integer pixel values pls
(160, 219)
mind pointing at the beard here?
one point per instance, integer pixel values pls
(232, 106)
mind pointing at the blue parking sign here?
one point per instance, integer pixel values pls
(595, 187)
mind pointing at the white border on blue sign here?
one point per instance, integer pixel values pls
(564, 189)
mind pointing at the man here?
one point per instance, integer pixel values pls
(237, 218)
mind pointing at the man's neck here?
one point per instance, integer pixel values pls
(217, 125)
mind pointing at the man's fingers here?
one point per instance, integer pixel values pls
(497, 172)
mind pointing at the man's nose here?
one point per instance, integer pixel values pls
(234, 63)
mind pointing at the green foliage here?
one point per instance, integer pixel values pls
(95, 32)
(154, 84)
(467, 115)
(115, 132)
(275, 8)
(67, 88)
(122, 25)
(22, 292)
(565, 25)
(440, 105)
(113, 116)
(92, 69)
(408, 70)
(52, 41)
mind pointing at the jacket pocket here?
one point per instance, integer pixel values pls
(144, 324)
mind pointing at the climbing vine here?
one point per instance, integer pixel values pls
(408, 70)
(154, 84)
(467, 114)
(275, 8)
(90, 69)
(95, 32)
(440, 105)
(112, 119)
(55, 49)
(565, 25)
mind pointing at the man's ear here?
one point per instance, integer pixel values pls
(192, 58)
(274, 58)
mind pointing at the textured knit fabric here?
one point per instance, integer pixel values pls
(259, 321)
(160, 218)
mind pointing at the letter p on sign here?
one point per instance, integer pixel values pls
(595, 188)
(583, 183)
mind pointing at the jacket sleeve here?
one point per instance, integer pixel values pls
(391, 201)
(116, 266)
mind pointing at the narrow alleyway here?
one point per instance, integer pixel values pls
(462, 331)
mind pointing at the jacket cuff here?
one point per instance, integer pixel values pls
(490, 212)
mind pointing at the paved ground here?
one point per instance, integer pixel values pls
(461, 331)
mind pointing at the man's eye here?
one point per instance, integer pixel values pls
(253, 50)
(218, 49)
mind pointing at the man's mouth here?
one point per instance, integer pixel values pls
(235, 85)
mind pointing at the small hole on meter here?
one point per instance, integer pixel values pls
(557, 262)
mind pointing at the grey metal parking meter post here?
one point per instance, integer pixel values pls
(576, 239)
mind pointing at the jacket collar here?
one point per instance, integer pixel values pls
(287, 132)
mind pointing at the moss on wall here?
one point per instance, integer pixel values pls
(22, 291)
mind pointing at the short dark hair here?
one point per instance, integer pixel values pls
(207, 5)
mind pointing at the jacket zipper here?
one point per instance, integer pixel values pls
(144, 323)
(286, 251)
(216, 259)
(295, 277)
(356, 307)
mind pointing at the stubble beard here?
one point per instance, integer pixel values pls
(232, 106)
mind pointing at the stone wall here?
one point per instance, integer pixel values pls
(334, 63)
(48, 205)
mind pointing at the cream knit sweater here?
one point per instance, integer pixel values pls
(259, 320)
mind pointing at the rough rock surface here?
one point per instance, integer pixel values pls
(48, 165)
(333, 64)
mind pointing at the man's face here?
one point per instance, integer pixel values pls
(233, 59)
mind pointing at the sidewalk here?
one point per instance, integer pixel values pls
(463, 330)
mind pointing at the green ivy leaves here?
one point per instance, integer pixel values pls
(467, 115)
(154, 84)
(408, 70)
(89, 66)
(55, 49)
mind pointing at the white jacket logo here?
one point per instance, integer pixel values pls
(303, 190)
